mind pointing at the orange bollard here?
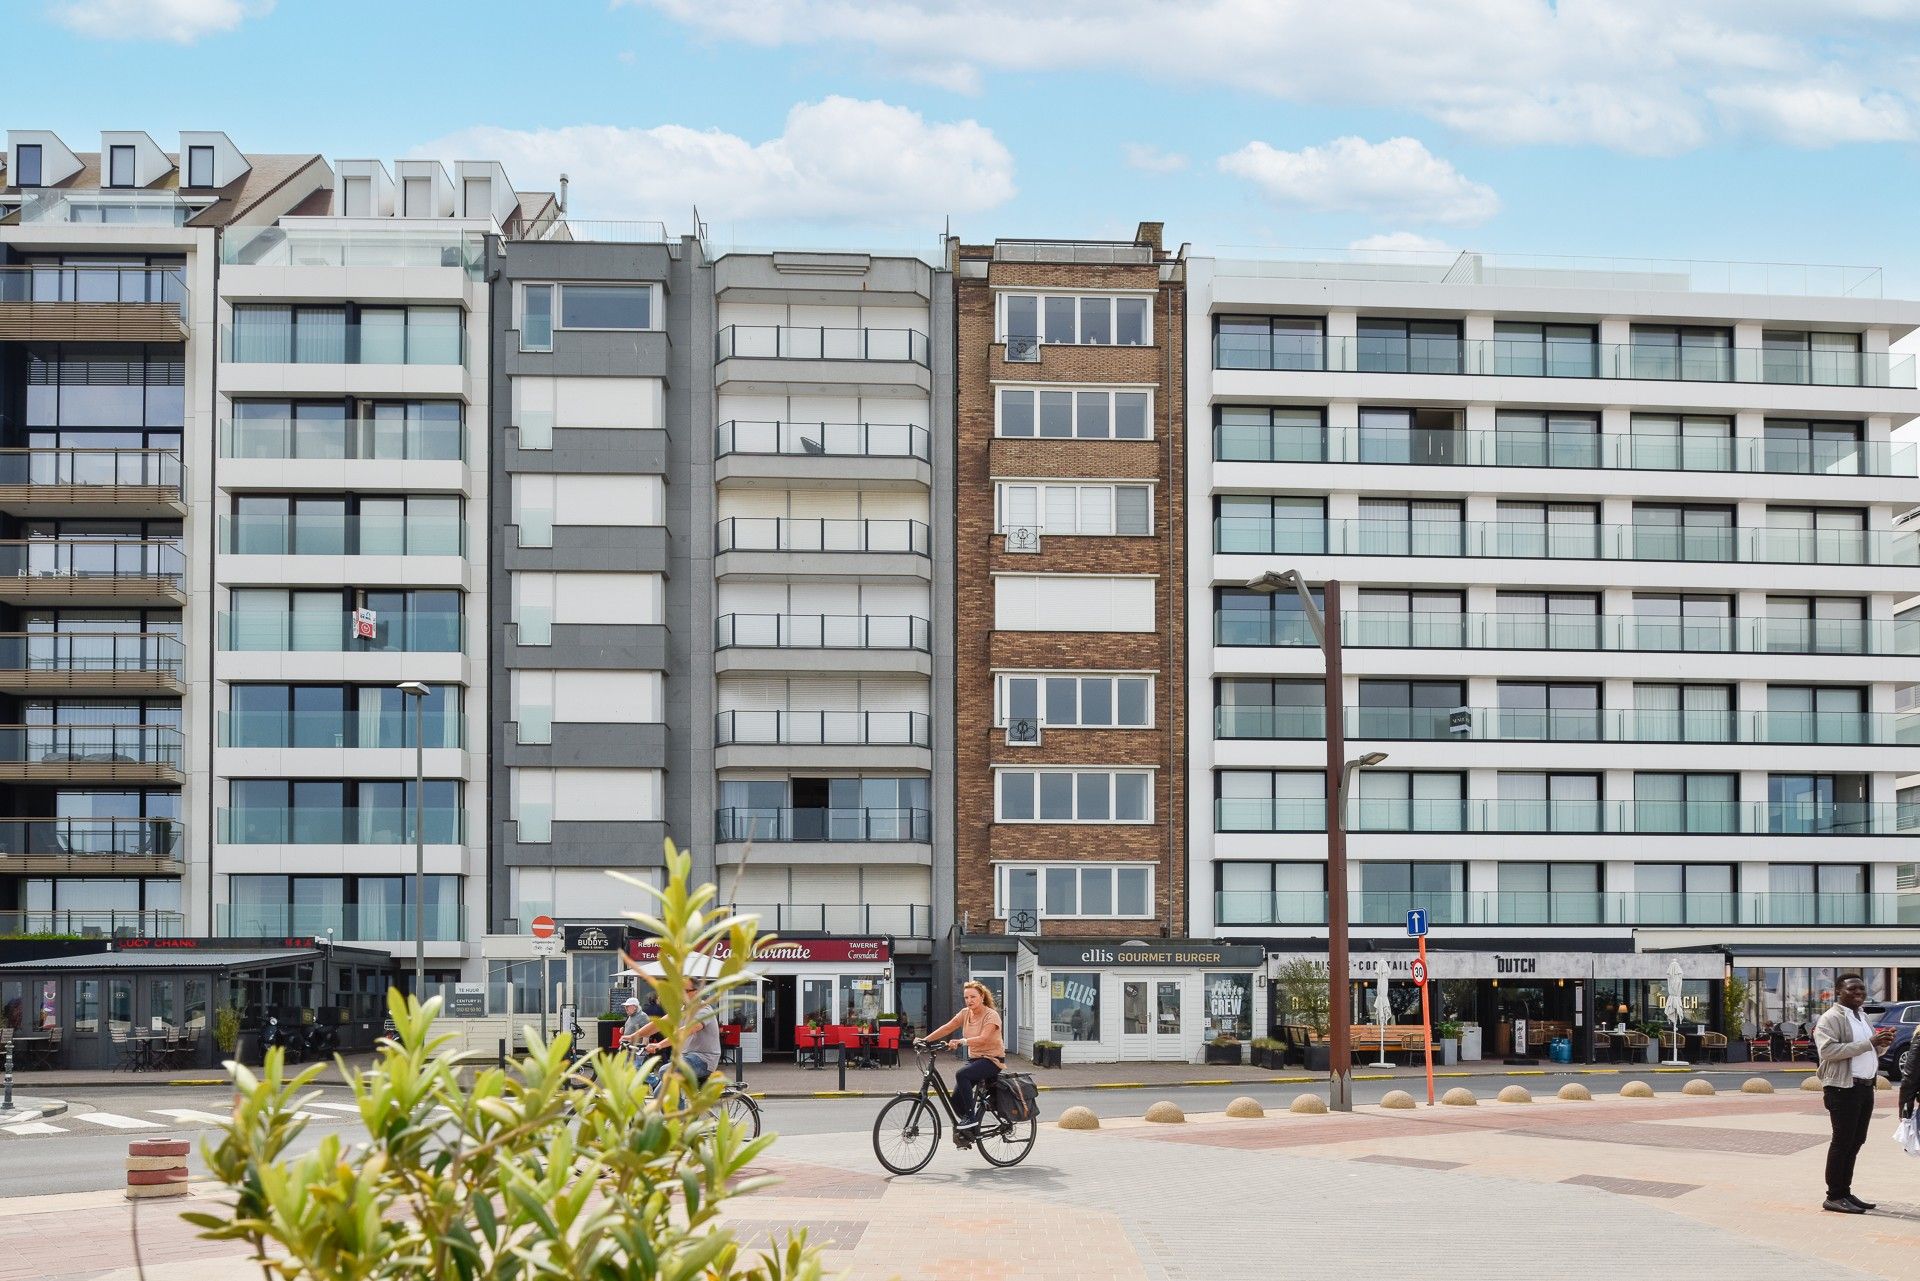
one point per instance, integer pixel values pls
(157, 1168)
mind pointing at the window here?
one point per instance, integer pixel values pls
(1427, 436)
(1396, 618)
(1561, 530)
(1411, 527)
(1260, 707)
(1269, 342)
(1549, 893)
(1539, 350)
(1093, 320)
(1284, 434)
(1799, 356)
(1680, 442)
(26, 162)
(1243, 617)
(356, 199)
(1270, 893)
(1068, 415)
(1545, 438)
(1072, 603)
(1816, 894)
(1546, 620)
(1568, 712)
(344, 525)
(476, 197)
(1099, 890)
(1407, 709)
(1076, 1006)
(1693, 803)
(1808, 447)
(351, 908)
(275, 811)
(1409, 801)
(1077, 509)
(1671, 622)
(1683, 894)
(536, 318)
(416, 198)
(199, 166)
(1270, 800)
(606, 306)
(1408, 346)
(1664, 531)
(1075, 796)
(1815, 625)
(1259, 524)
(1682, 714)
(331, 716)
(1684, 352)
(1816, 714)
(1389, 890)
(120, 166)
(1818, 804)
(1532, 801)
(1071, 701)
(1814, 536)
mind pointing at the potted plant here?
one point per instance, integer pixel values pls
(603, 1030)
(1223, 1049)
(1654, 1031)
(1268, 1052)
(1733, 1014)
(1449, 1030)
(226, 1029)
(1046, 1054)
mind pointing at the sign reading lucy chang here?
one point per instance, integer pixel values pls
(1157, 955)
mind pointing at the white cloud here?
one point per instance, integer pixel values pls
(838, 160)
(181, 21)
(1816, 115)
(1401, 242)
(1151, 159)
(1635, 75)
(1398, 178)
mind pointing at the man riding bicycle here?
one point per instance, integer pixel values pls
(979, 1025)
(702, 1048)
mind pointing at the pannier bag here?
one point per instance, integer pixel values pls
(1016, 1097)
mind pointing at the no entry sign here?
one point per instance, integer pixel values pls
(542, 927)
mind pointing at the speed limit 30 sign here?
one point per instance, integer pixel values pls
(1419, 973)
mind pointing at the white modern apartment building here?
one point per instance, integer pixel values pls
(1618, 580)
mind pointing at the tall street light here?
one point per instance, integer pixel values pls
(417, 692)
(1340, 770)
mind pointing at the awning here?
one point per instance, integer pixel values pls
(185, 959)
(1829, 956)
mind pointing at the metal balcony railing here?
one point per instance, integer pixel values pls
(103, 469)
(803, 534)
(822, 631)
(1570, 907)
(90, 745)
(159, 559)
(346, 922)
(791, 824)
(906, 920)
(92, 838)
(810, 342)
(822, 440)
(1366, 629)
(1575, 725)
(103, 284)
(409, 534)
(109, 923)
(389, 727)
(76, 653)
(821, 729)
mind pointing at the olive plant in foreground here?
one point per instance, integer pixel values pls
(522, 1174)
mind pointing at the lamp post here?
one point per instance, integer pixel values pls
(1340, 770)
(417, 692)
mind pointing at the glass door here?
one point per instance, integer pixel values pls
(1167, 1019)
(1136, 1021)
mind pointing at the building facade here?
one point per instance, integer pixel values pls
(1618, 581)
(1069, 685)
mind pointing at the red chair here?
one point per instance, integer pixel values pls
(847, 1037)
(890, 1045)
(807, 1043)
(729, 1043)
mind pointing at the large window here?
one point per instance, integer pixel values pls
(1670, 531)
(1269, 342)
(1814, 536)
(1562, 711)
(1546, 620)
(1067, 700)
(1243, 617)
(1816, 894)
(1407, 709)
(1670, 621)
(1102, 891)
(1693, 803)
(1818, 804)
(1685, 352)
(1396, 618)
(1075, 796)
(1682, 713)
(389, 429)
(1075, 508)
(1549, 894)
(1258, 434)
(1803, 356)
(1411, 527)
(1427, 436)
(345, 525)
(1262, 523)
(1811, 447)
(1270, 800)
(323, 619)
(606, 306)
(1076, 1005)
(1074, 415)
(1535, 801)
(350, 908)
(1816, 714)
(1248, 893)
(121, 396)
(337, 716)
(1546, 438)
(1409, 801)
(1815, 625)
(1388, 891)
(1683, 894)
(277, 811)
(536, 318)
(1567, 530)
(1409, 346)
(352, 334)
(1534, 350)
(1087, 320)
(1264, 707)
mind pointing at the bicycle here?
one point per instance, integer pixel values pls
(906, 1134)
(735, 1102)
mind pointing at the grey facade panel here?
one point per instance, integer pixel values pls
(823, 377)
(621, 549)
(591, 450)
(595, 352)
(899, 566)
(578, 745)
(628, 845)
(814, 469)
(589, 647)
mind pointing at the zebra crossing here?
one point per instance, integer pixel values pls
(99, 1121)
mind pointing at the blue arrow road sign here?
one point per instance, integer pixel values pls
(1417, 923)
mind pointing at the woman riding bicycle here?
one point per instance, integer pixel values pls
(702, 1048)
(979, 1025)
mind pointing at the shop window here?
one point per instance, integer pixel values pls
(1230, 1006)
(1076, 1006)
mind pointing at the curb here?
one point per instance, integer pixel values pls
(45, 1108)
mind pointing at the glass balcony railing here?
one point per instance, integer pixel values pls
(1264, 536)
(782, 824)
(75, 653)
(1575, 725)
(271, 342)
(110, 208)
(384, 727)
(441, 440)
(102, 923)
(333, 631)
(1269, 722)
(339, 534)
(346, 922)
(93, 468)
(1645, 818)
(1306, 443)
(1365, 629)
(821, 729)
(1570, 907)
(823, 631)
(809, 342)
(84, 838)
(102, 284)
(793, 534)
(288, 244)
(90, 745)
(1517, 358)
(823, 440)
(159, 559)
(905, 920)
(351, 825)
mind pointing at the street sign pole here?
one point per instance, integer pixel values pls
(1426, 1018)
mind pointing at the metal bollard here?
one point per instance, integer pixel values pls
(841, 1057)
(6, 1104)
(503, 1054)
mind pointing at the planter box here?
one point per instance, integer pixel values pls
(1470, 1043)
(1449, 1051)
(1273, 1058)
(1319, 1057)
(1224, 1054)
(1737, 1051)
(1046, 1056)
(603, 1034)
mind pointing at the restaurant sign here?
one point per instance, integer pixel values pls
(593, 938)
(1168, 952)
(877, 951)
(1520, 966)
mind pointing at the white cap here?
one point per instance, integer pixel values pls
(634, 1001)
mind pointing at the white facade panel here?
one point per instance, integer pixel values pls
(1072, 603)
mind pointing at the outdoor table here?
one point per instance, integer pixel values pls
(869, 1049)
(36, 1051)
(142, 1044)
(817, 1042)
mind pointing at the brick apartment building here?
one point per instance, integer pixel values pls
(1070, 471)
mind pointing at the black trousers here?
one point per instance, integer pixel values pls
(1850, 1111)
(966, 1083)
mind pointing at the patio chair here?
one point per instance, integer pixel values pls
(1713, 1044)
(1761, 1051)
(47, 1052)
(890, 1045)
(118, 1033)
(1637, 1043)
(167, 1053)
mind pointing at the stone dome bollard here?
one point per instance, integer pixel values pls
(1574, 1092)
(1165, 1113)
(1697, 1087)
(1881, 1083)
(1515, 1094)
(1308, 1105)
(156, 1168)
(1398, 1099)
(1078, 1118)
(1459, 1097)
(1756, 1085)
(1636, 1090)
(1245, 1107)
(1812, 1084)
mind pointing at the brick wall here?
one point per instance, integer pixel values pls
(979, 650)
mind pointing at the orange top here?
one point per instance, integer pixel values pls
(980, 1031)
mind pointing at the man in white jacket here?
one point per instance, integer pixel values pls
(1849, 1049)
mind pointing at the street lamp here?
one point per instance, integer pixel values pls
(1326, 631)
(417, 691)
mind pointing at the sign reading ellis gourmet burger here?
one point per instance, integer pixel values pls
(803, 951)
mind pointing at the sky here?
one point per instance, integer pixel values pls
(1749, 130)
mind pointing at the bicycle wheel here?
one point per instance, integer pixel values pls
(742, 1111)
(906, 1134)
(1008, 1142)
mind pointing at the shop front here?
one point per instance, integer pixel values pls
(1160, 1001)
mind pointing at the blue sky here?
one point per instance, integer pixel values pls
(1764, 130)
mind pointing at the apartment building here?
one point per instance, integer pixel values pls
(1618, 576)
(1069, 710)
(823, 508)
(349, 522)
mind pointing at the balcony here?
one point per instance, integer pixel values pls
(1257, 535)
(821, 729)
(808, 342)
(92, 662)
(1292, 443)
(352, 825)
(340, 438)
(823, 440)
(1641, 818)
(290, 245)
(93, 571)
(130, 754)
(1589, 725)
(109, 923)
(93, 304)
(264, 631)
(773, 547)
(123, 208)
(822, 631)
(1571, 908)
(346, 922)
(92, 482)
(92, 846)
(775, 359)
(301, 730)
(782, 825)
(1626, 633)
(902, 921)
(1510, 358)
(343, 535)
(264, 342)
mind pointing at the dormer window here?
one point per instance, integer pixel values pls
(358, 198)
(119, 166)
(26, 158)
(479, 197)
(199, 166)
(416, 198)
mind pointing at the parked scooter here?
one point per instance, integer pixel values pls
(322, 1040)
(289, 1037)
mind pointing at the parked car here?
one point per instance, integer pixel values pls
(1904, 1018)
